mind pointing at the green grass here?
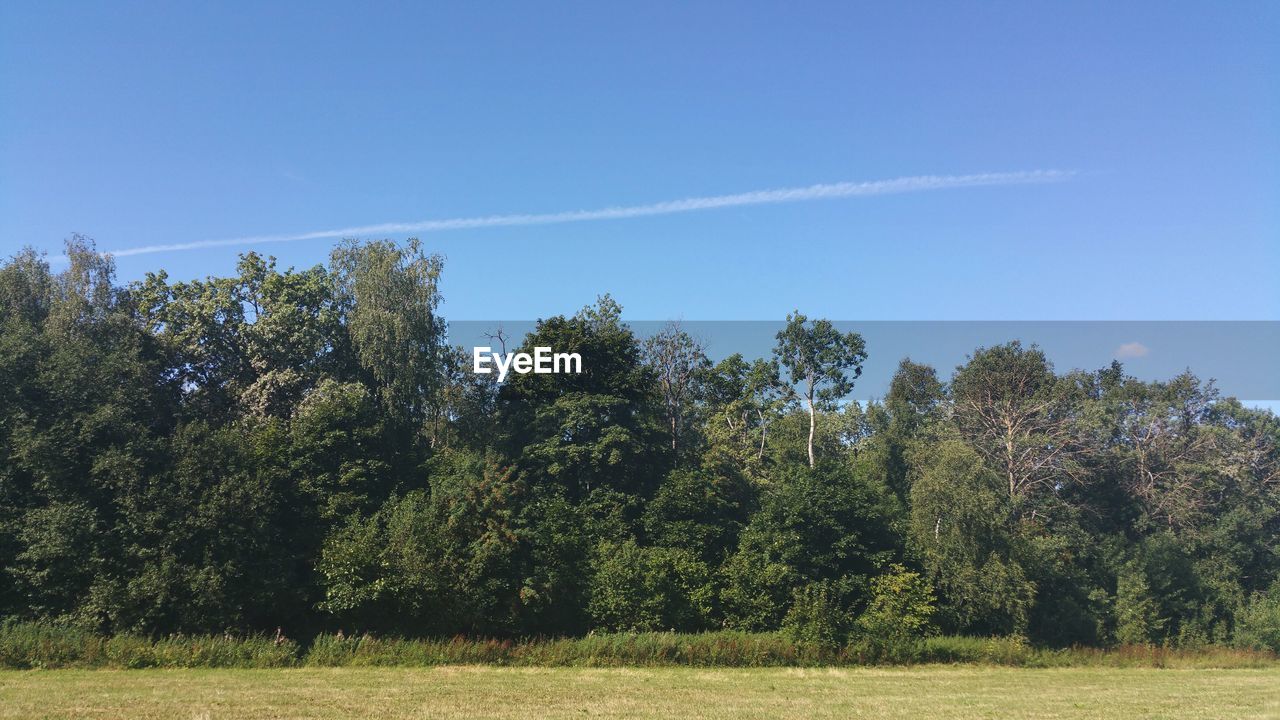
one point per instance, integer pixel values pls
(952, 692)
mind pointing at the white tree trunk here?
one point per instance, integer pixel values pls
(813, 420)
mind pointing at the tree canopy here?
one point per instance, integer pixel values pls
(303, 449)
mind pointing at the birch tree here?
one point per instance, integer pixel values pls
(680, 363)
(821, 364)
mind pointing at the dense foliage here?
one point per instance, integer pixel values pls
(304, 450)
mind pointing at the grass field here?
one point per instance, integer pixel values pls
(955, 693)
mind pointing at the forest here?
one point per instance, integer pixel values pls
(304, 450)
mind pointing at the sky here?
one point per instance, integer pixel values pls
(1141, 139)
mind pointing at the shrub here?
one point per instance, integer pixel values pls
(1258, 625)
(1137, 614)
(901, 608)
(641, 589)
(817, 617)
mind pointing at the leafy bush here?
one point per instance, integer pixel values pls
(901, 608)
(1258, 626)
(641, 589)
(817, 617)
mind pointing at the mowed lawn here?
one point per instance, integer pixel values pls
(954, 693)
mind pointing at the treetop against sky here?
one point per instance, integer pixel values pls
(678, 131)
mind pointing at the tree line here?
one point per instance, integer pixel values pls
(303, 449)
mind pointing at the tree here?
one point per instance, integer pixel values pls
(294, 337)
(960, 528)
(1012, 409)
(914, 403)
(84, 422)
(344, 459)
(588, 430)
(389, 295)
(742, 401)
(820, 524)
(1168, 449)
(819, 615)
(300, 448)
(820, 360)
(699, 510)
(1259, 624)
(200, 326)
(443, 561)
(680, 364)
(207, 543)
(1138, 620)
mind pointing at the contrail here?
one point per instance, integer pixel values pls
(758, 197)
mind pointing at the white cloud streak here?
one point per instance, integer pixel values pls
(919, 183)
(1131, 350)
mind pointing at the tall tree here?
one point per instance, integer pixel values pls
(822, 361)
(1013, 409)
(590, 430)
(742, 399)
(914, 400)
(680, 364)
(390, 294)
(960, 527)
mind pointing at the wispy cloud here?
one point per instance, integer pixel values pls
(919, 183)
(1131, 350)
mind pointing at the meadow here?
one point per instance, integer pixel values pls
(954, 692)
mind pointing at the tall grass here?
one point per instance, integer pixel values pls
(1016, 652)
(722, 649)
(40, 646)
(31, 645)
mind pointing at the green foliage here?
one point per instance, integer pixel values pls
(51, 570)
(300, 449)
(824, 524)
(639, 589)
(742, 402)
(960, 528)
(389, 295)
(756, 590)
(41, 646)
(820, 360)
(1258, 626)
(818, 616)
(338, 449)
(698, 510)
(902, 607)
(1138, 620)
(913, 403)
(589, 430)
(436, 562)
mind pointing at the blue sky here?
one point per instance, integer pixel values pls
(154, 123)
